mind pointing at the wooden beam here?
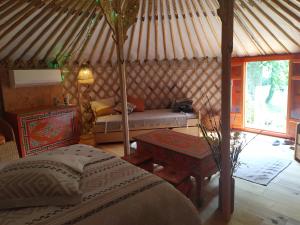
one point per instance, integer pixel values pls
(257, 18)
(212, 27)
(163, 27)
(108, 35)
(51, 36)
(226, 14)
(98, 35)
(178, 27)
(142, 19)
(282, 16)
(122, 73)
(88, 39)
(43, 32)
(253, 27)
(171, 27)
(195, 26)
(278, 26)
(213, 6)
(184, 18)
(149, 16)
(65, 29)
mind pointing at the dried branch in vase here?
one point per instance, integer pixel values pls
(211, 131)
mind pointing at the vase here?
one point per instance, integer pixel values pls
(232, 194)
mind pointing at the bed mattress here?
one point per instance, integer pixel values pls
(149, 119)
(115, 193)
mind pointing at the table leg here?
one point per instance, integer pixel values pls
(199, 187)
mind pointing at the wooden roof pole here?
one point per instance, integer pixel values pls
(253, 27)
(112, 50)
(226, 14)
(178, 27)
(183, 14)
(171, 27)
(88, 39)
(156, 28)
(12, 7)
(5, 5)
(195, 26)
(42, 32)
(28, 24)
(33, 29)
(67, 12)
(24, 13)
(141, 29)
(265, 27)
(214, 6)
(65, 29)
(203, 26)
(108, 35)
(249, 34)
(287, 10)
(149, 16)
(296, 42)
(77, 27)
(98, 35)
(286, 19)
(163, 27)
(211, 26)
(132, 32)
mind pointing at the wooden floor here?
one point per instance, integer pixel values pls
(276, 204)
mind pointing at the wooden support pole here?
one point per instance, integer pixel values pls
(122, 74)
(226, 14)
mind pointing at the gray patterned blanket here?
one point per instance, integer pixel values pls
(115, 193)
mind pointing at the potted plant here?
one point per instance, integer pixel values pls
(213, 136)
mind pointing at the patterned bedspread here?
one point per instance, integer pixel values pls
(115, 193)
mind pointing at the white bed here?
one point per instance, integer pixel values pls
(115, 193)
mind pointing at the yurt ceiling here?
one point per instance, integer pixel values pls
(39, 30)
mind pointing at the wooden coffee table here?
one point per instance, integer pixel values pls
(181, 151)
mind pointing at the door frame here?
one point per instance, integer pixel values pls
(290, 57)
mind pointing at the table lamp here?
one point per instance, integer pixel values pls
(85, 77)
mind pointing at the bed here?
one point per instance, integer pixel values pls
(108, 128)
(115, 193)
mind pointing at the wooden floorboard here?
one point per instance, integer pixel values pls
(275, 204)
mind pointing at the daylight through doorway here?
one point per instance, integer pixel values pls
(266, 95)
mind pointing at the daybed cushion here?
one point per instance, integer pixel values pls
(41, 180)
(130, 107)
(103, 107)
(149, 119)
(114, 193)
(138, 102)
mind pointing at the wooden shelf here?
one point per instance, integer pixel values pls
(296, 77)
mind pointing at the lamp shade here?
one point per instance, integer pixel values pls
(85, 75)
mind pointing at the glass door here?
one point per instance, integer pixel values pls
(266, 95)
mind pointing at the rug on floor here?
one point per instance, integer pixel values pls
(262, 162)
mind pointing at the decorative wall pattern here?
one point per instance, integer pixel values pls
(158, 82)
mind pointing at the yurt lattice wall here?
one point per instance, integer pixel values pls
(158, 82)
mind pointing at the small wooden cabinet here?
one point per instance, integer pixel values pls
(237, 89)
(44, 129)
(294, 97)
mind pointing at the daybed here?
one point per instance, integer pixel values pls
(114, 193)
(108, 128)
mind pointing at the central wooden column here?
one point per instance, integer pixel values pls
(226, 14)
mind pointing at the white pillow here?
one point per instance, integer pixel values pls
(42, 180)
(103, 106)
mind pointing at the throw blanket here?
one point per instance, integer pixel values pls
(115, 193)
